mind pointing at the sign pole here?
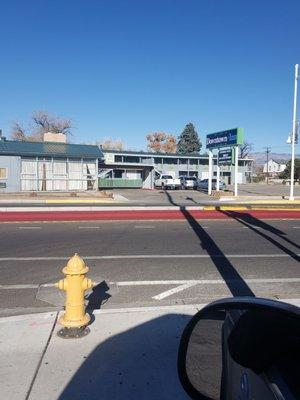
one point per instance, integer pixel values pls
(218, 174)
(236, 163)
(210, 169)
(294, 133)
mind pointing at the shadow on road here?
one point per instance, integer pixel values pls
(233, 280)
(138, 364)
(255, 225)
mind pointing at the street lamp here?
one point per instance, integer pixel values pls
(294, 133)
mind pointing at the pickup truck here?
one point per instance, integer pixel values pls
(167, 182)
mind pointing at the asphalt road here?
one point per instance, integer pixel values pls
(155, 263)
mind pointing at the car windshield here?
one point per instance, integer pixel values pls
(108, 227)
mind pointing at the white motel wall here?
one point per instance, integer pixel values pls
(140, 169)
(48, 166)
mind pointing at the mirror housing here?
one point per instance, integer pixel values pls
(263, 331)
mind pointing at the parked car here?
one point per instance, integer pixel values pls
(188, 182)
(203, 184)
(167, 182)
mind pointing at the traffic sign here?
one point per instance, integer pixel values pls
(225, 156)
(231, 137)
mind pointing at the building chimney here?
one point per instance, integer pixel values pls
(55, 137)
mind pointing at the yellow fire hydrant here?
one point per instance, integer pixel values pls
(75, 319)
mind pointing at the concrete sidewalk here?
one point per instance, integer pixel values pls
(130, 354)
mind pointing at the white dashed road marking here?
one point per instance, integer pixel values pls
(88, 227)
(30, 227)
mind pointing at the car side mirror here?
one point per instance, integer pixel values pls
(242, 348)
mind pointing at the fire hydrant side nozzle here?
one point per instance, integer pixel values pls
(87, 284)
(75, 319)
(62, 284)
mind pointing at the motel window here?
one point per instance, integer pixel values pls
(3, 173)
(203, 161)
(193, 161)
(183, 173)
(131, 159)
(183, 160)
(170, 161)
(157, 160)
(118, 173)
(118, 159)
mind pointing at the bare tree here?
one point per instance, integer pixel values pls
(48, 123)
(18, 132)
(160, 142)
(111, 144)
(245, 149)
(170, 145)
(42, 122)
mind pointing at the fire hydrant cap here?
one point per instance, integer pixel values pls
(75, 266)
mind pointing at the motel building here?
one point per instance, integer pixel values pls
(49, 166)
(132, 169)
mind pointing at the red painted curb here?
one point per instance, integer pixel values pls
(142, 215)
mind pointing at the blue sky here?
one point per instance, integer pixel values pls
(123, 69)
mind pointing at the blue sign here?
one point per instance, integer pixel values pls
(231, 137)
(225, 156)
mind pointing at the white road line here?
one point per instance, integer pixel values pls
(151, 256)
(296, 227)
(29, 227)
(204, 281)
(177, 289)
(18, 287)
(252, 226)
(88, 227)
(144, 227)
(146, 283)
(181, 283)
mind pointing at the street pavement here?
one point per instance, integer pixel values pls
(152, 277)
(150, 263)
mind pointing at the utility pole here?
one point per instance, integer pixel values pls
(268, 151)
(236, 166)
(294, 132)
(210, 171)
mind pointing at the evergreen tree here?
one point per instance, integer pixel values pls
(189, 141)
(286, 174)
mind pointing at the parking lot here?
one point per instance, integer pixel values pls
(192, 197)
